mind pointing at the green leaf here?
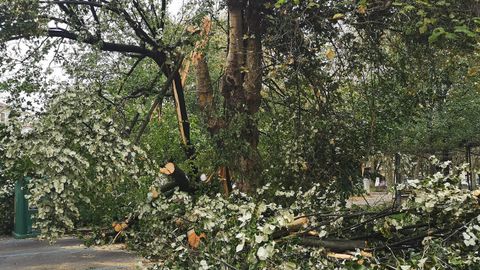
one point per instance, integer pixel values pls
(464, 29)
(451, 36)
(280, 3)
(437, 33)
(312, 4)
(338, 16)
(423, 29)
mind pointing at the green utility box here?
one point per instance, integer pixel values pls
(23, 214)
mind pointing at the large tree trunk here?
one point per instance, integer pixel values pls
(240, 87)
(253, 77)
(232, 81)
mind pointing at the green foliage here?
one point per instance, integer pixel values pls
(6, 203)
(19, 18)
(7, 193)
(6, 207)
(76, 155)
(238, 229)
(452, 215)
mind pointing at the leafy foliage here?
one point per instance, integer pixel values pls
(74, 155)
(435, 227)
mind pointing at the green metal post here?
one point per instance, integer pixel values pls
(23, 215)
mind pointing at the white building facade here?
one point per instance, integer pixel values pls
(4, 113)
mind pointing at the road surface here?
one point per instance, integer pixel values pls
(68, 253)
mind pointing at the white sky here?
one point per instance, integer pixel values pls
(175, 6)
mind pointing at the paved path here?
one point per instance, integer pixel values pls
(68, 253)
(372, 199)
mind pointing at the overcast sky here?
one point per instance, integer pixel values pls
(175, 6)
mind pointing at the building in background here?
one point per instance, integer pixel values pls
(4, 113)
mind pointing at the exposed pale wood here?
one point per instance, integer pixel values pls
(225, 178)
(340, 256)
(199, 45)
(182, 78)
(179, 114)
(164, 171)
(348, 256)
(291, 228)
(298, 223)
(366, 254)
(170, 167)
(179, 177)
(154, 193)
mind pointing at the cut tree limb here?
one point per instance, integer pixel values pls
(295, 226)
(333, 244)
(179, 177)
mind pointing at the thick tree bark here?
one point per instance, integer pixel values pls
(253, 77)
(242, 83)
(232, 81)
(240, 87)
(252, 84)
(204, 87)
(205, 97)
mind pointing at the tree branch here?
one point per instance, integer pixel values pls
(157, 101)
(104, 46)
(134, 66)
(88, 3)
(144, 18)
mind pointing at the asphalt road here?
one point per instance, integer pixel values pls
(66, 253)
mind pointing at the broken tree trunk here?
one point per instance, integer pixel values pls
(225, 178)
(179, 177)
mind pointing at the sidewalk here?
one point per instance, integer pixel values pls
(372, 199)
(67, 253)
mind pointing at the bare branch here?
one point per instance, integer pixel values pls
(144, 18)
(104, 46)
(88, 3)
(158, 100)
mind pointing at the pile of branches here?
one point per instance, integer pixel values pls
(437, 224)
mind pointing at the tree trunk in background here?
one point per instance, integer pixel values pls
(445, 157)
(397, 176)
(253, 85)
(240, 87)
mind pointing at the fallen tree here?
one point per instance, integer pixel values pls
(437, 225)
